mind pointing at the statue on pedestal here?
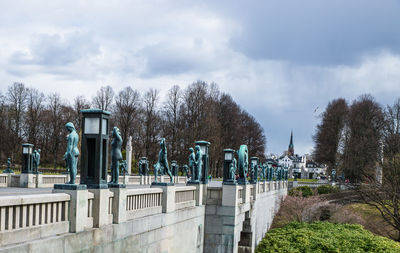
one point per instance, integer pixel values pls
(116, 155)
(162, 163)
(232, 169)
(263, 176)
(243, 163)
(198, 163)
(71, 156)
(143, 166)
(186, 170)
(36, 160)
(192, 161)
(123, 166)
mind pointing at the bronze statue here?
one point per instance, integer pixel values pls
(232, 169)
(162, 163)
(71, 156)
(36, 160)
(192, 161)
(116, 155)
(198, 163)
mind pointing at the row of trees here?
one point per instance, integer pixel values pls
(362, 141)
(199, 112)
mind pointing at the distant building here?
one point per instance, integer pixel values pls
(315, 170)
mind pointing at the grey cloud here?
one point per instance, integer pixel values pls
(314, 31)
(57, 50)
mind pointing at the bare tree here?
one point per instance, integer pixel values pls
(127, 106)
(16, 98)
(362, 150)
(33, 116)
(329, 132)
(80, 103)
(171, 112)
(151, 122)
(103, 98)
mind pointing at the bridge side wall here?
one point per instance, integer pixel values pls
(263, 212)
(178, 231)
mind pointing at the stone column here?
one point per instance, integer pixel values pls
(26, 180)
(230, 195)
(119, 205)
(246, 193)
(78, 209)
(100, 207)
(168, 197)
(129, 154)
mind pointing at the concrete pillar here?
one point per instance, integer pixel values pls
(39, 180)
(129, 154)
(246, 193)
(26, 180)
(255, 190)
(142, 179)
(168, 197)
(119, 205)
(78, 209)
(100, 207)
(230, 195)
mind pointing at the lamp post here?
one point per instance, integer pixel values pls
(27, 164)
(204, 145)
(254, 173)
(229, 167)
(95, 140)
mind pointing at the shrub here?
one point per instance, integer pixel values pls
(302, 191)
(324, 237)
(326, 189)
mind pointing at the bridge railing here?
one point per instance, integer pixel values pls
(30, 217)
(143, 202)
(3, 180)
(185, 197)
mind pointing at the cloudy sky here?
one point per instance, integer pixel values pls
(283, 61)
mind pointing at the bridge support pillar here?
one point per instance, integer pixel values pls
(101, 200)
(168, 197)
(78, 209)
(119, 205)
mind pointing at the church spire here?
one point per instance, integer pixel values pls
(291, 146)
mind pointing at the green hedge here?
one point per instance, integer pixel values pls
(304, 191)
(324, 237)
(326, 189)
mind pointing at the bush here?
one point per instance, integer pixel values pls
(326, 189)
(302, 191)
(324, 237)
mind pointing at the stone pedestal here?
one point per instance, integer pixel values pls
(78, 209)
(100, 207)
(39, 180)
(230, 195)
(199, 194)
(27, 180)
(255, 190)
(142, 179)
(168, 197)
(119, 205)
(246, 193)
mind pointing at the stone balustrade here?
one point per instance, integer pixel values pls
(48, 181)
(229, 213)
(3, 180)
(31, 217)
(143, 202)
(185, 197)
